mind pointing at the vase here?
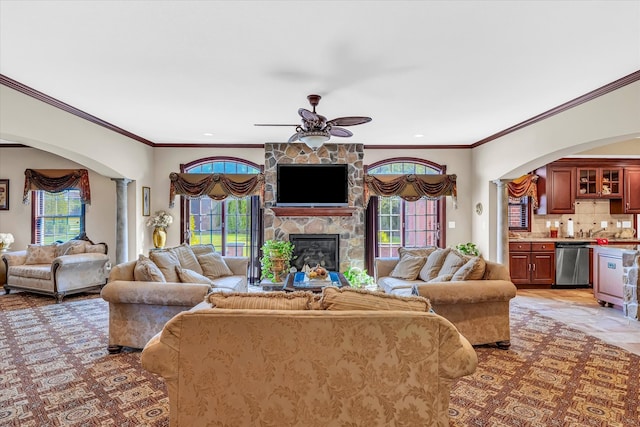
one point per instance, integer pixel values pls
(159, 237)
(278, 269)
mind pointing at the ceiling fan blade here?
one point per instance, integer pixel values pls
(335, 131)
(293, 137)
(308, 115)
(349, 121)
(270, 124)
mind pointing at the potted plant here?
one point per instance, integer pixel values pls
(468, 249)
(358, 278)
(276, 259)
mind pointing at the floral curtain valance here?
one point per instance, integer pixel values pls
(218, 186)
(57, 180)
(526, 185)
(411, 187)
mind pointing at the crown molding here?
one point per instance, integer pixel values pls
(22, 88)
(624, 81)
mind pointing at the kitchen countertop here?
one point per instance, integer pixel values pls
(590, 240)
(630, 247)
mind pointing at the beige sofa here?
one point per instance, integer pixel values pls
(345, 363)
(138, 309)
(59, 269)
(476, 303)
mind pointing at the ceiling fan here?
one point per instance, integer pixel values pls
(316, 129)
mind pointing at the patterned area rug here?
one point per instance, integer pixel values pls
(553, 375)
(55, 371)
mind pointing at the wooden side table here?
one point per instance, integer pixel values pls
(3, 270)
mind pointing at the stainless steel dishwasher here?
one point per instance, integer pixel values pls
(572, 264)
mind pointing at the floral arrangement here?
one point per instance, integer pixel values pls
(6, 239)
(160, 219)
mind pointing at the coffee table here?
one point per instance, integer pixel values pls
(290, 285)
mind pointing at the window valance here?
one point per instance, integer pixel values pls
(411, 187)
(526, 185)
(218, 186)
(56, 181)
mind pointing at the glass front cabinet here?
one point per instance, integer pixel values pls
(599, 182)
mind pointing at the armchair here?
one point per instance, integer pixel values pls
(57, 269)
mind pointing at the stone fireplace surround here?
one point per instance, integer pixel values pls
(349, 226)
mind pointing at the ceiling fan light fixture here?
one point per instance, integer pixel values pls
(314, 139)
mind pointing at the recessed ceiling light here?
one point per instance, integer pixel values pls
(418, 135)
(207, 134)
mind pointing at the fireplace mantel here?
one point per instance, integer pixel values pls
(301, 211)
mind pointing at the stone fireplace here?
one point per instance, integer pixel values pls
(316, 249)
(347, 224)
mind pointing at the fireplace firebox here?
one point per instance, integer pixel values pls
(316, 249)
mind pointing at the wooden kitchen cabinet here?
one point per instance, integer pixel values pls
(532, 264)
(561, 190)
(595, 183)
(630, 202)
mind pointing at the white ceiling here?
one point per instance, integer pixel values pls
(455, 72)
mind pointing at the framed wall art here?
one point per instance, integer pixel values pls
(146, 201)
(4, 194)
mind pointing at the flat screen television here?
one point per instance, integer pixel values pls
(312, 185)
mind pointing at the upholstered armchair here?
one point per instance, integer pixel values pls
(57, 269)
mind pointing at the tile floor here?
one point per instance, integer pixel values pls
(580, 310)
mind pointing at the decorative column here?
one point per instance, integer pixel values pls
(502, 225)
(122, 240)
(631, 283)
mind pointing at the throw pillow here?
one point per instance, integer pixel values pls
(203, 249)
(71, 247)
(473, 269)
(146, 271)
(423, 252)
(166, 260)
(297, 300)
(189, 276)
(40, 254)
(441, 278)
(214, 266)
(453, 261)
(187, 258)
(408, 267)
(99, 248)
(434, 263)
(341, 299)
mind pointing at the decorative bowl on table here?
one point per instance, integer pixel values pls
(318, 273)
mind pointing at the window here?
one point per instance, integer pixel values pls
(232, 225)
(402, 223)
(57, 216)
(519, 210)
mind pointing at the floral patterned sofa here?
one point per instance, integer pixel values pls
(350, 358)
(58, 269)
(144, 294)
(472, 293)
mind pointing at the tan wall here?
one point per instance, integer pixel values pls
(458, 162)
(100, 215)
(609, 119)
(606, 120)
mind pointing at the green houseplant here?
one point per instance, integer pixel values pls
(358, 278)
(468, 249)
(276, 259)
